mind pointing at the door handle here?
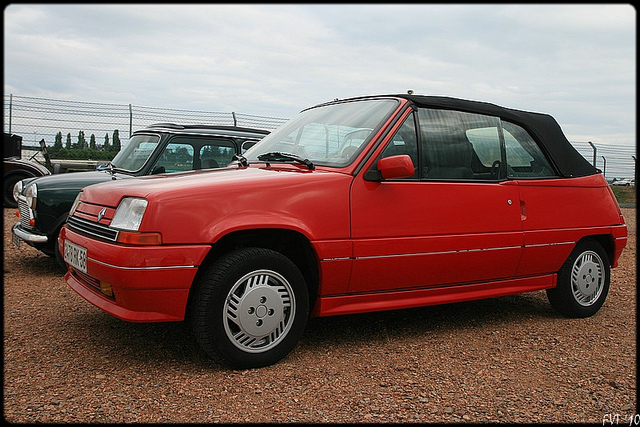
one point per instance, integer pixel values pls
(523, 210)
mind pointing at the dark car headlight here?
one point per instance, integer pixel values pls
(32, 196)
(17, 190)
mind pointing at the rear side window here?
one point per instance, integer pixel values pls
(524, 157)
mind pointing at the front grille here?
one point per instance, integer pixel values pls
(25, 213)
(94, 229)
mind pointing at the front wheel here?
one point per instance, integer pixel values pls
(583, 281)
(250, 308)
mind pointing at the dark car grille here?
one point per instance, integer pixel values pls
(94, 229)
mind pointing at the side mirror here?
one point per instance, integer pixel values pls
(392, 167)
(158, 169)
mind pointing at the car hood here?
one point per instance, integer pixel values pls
(201, 206)
(194, 185)
(73, 180)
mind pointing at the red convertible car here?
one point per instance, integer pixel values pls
(357, 205)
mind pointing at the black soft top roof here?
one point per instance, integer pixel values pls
(544, 128)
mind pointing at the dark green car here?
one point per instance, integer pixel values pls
(44, 202)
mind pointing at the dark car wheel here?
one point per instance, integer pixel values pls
(56, 253)
(250, 308)
(8, 183)
(583, 281)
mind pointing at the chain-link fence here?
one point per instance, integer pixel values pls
(615, 161)
(40, 118)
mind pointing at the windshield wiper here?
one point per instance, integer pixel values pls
(278, 156)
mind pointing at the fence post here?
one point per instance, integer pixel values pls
(130, 120)
(594, 153)
(10, 110)
(604, 168)
(235, 122)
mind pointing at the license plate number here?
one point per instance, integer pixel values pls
(75, 255)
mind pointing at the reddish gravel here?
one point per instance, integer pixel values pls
(509, 359)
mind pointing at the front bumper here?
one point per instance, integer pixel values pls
(149, 283)
(28, 236)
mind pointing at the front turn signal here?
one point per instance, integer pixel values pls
(106, 289)
(134, 238)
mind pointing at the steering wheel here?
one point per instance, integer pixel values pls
(347, 152)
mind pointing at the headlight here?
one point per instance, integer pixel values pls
(75, 204)
(129, 214)
(32, 196)
(17, 190)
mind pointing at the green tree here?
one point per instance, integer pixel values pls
(92, 142)
(115, 141)
(68, 145)
(58, 142)
(82, 143)
(105, 146)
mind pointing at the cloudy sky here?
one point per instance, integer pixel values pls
(575, 62)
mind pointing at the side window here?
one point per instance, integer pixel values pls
(176, 157)
(216, 154)
(459, 146)
(524, 157)
(405, 141)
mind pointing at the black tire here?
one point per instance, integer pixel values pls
(56, 252)
(583, 281)
(250, 308)
(8, 183)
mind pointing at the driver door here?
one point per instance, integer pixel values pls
(429, 230)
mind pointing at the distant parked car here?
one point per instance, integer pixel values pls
(623, 182)
(159, 149)
(16, 169)
(356, 205)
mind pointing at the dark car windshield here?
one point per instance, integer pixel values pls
(135, 153)
(329, 135)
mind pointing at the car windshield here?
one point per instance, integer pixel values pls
(135, 153)
(330, 135)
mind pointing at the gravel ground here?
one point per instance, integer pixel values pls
(509, 359)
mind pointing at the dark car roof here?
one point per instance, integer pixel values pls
(232, 131)
(543, 127)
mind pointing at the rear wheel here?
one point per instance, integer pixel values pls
(250, 308)
(583, 281)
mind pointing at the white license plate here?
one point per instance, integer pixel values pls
(75, 255)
